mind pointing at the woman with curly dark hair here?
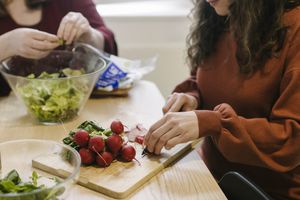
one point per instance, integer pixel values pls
(32, 28)
(243, 95)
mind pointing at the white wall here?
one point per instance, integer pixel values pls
(147, 28)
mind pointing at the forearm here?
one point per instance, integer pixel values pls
(94, 38)
(5, 51)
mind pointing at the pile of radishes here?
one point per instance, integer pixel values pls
(100, 146)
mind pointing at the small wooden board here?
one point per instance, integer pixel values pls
(115, 93)
(120, 179)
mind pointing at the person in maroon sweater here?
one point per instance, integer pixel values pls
(32, 28)
(243, 95)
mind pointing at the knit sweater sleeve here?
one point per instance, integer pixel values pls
(272, 142)
(88, 9)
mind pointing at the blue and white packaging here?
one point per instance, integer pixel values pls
(121, 73)
(111, 76)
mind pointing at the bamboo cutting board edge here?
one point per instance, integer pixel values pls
(116, 193)
(170, 160)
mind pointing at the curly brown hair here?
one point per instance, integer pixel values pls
(255, 24)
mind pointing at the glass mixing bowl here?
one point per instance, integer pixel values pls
(55, 89)
(18, 156)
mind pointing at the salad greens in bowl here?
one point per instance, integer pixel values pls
(55, 88)
(23, 178)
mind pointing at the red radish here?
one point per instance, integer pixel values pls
(81, 138)
(128, 153)
(117, 127)
(114, 143)
(139, 139)
(87, 156)
(137, 130)
(96, 143)
(104, 159)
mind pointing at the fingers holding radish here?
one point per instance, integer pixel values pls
(174, 128)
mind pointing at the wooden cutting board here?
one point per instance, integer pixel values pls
(120, 179)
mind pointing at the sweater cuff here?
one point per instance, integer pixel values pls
(110, 45)
(209, 122)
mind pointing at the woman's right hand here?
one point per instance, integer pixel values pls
(180, 102)
(30, 43)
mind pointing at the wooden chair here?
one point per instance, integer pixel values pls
(237, 187)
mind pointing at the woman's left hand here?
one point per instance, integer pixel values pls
(172, 129)
(73, 26)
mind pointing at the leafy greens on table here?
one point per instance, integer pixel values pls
(12, 184)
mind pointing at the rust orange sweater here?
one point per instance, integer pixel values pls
(263, 139)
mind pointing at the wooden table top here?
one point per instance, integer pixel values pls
(188, 178)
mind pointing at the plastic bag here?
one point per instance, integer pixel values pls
(122, 73)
